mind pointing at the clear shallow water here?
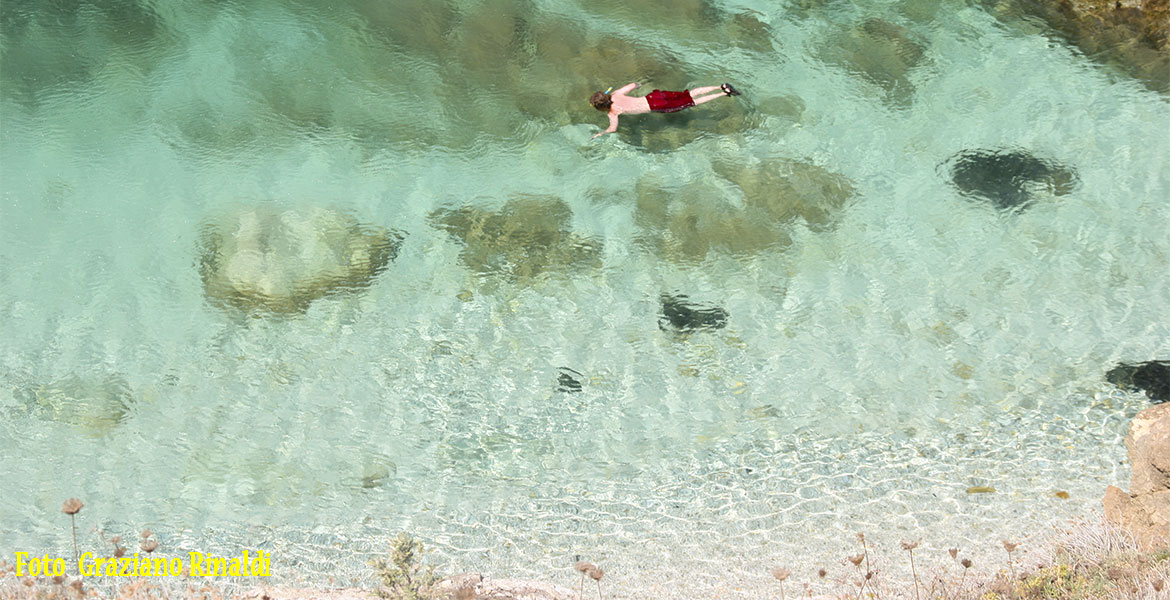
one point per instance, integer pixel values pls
(871, 370)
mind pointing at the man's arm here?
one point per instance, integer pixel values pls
(612, 126)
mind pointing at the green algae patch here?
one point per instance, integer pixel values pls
(528, 237)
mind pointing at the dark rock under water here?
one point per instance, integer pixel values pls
(569, 380)
(678, 314)
(1008, 178)
(1152, 377)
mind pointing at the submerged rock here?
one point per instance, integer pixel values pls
(1131, 35)
(701, 21)
(53, 44)
(678, 314)
(669, 132)
(1151, 377)
(267, 259)
(507, 69)
(686, 223)
(1008, 178)
(785, 190)
(94, 405)
(526, 238)
(1145, 510)
(569, 380)
(880, 52)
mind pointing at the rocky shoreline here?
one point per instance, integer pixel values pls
(1131, 35)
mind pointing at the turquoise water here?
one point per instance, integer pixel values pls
(877, 361)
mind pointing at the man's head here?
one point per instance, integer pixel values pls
(601, 101)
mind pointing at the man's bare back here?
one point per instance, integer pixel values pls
(619, 101)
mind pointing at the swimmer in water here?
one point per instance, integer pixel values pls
(616, 102)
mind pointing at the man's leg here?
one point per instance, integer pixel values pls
(700, 91)
(701, 99)
(707, 93)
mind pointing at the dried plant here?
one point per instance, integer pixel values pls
(909, 547)
(71, 507)
(781, 574)
(582, 567)
(595, 572)
(1010, 546)
(403, 576)
(864, 551)
(966, 562)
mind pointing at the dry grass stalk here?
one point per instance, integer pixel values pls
(781, 574)
(909, 547)
(596, 573)
(1009, 546)
(583, 568)
(71, 507)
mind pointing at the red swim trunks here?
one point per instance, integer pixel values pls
(662, 101)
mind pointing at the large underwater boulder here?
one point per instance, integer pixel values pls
(685, 223)
(280, 260)
(1008, 178)
(529, 236)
